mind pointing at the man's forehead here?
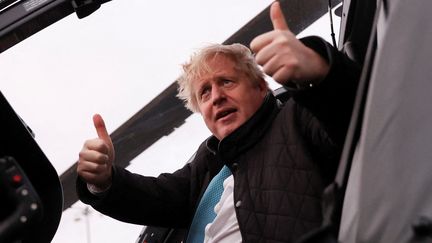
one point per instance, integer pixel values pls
(217, 67)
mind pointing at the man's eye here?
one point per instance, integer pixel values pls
(205, 93)
(227, 82)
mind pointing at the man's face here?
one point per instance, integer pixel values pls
(226, 98)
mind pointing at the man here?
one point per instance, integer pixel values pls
(280, 156)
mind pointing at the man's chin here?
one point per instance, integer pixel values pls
(226, 131)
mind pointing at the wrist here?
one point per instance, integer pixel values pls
(97, 190)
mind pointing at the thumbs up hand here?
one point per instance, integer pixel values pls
(284, 57)
(96, 157)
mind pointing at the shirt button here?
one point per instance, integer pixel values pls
(238, 204)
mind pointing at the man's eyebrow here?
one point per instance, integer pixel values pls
(225, 76)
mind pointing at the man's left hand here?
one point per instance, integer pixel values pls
(284, 57)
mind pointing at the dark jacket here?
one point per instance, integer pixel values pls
(281, 160)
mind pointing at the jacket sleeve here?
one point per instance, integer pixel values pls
(331, 101)
(165, 201)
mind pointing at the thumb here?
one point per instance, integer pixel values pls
(100, 128)
(277, 17)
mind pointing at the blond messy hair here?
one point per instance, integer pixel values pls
(198, 66)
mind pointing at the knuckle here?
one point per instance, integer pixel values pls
(88, 143)
(268, 70)
(102, 157)
(293, 63)
(82, 154)
(101, 146)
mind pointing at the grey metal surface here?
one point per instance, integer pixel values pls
(393, 166)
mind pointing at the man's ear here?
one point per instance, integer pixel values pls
(263, 87)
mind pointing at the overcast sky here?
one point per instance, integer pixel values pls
(114, 62)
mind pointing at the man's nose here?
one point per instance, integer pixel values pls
(218, 95)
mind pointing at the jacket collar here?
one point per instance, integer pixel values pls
(247, 134)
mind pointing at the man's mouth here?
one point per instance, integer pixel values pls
(224, 113)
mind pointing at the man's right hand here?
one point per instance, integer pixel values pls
(96, 157)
